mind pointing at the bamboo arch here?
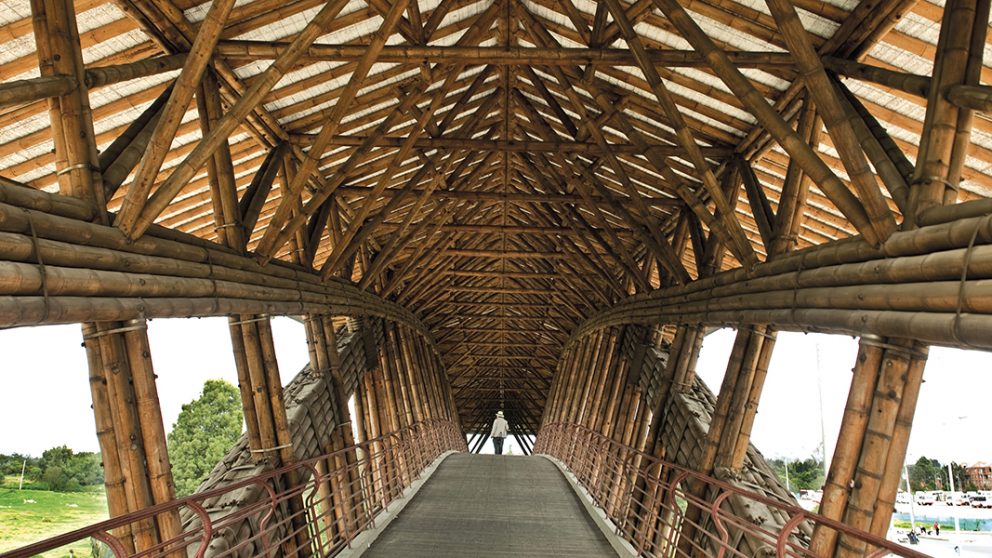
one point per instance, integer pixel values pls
(56, 267)
(930, 284)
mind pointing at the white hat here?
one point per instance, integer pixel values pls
(499, 413)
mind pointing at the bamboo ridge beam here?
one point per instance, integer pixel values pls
(511, 146)
(503, 196)
(416, 54)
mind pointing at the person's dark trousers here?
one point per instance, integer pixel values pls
(498, 445)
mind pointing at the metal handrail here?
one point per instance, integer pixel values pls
(305, 516)
(665, 509)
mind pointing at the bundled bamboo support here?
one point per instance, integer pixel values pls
(130, 430)
(64, 241)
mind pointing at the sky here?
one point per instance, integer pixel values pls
(952, 419)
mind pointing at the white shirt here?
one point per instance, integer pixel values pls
(499, 428)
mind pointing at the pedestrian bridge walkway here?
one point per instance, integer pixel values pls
(489, 505)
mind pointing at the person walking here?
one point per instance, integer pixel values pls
(498, 434)
(936, 528)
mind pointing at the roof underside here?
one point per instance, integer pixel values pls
(513, 222)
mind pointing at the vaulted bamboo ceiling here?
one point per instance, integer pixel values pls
(504, 168)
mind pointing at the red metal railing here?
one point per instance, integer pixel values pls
(310, 508)
(663, 509)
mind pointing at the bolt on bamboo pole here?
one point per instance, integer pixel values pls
(877, 444)
(153, 437)
(113, 475)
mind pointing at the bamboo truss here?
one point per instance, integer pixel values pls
(549, 189)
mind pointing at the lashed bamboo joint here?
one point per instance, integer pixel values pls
(480, 205)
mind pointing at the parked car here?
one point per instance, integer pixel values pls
(958, 499)
(924, 499)
(981, 502)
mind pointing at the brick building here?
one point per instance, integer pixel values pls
(980, 475)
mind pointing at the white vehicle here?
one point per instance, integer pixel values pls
(958, 499)
(981, 501)
(924, 499)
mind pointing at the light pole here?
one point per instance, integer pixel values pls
(950, 477)
(909, 490)
(954, 510)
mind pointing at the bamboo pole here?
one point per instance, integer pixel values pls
(330, 126)
(773, 122)
(837, 488)
(937, 141)
(175, 108)
(496, 55)
(127, 430)
(876, 445)
(72, 120)
(149, 412)
(113, 475)
(138, 221)
(831, 109)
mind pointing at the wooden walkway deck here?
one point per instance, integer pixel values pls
(493, 506)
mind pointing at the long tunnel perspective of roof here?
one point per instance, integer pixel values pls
(503, 169)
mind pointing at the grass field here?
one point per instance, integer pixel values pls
(23, 522)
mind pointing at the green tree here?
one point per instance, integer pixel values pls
(204, 432)
(804, 474)
(924, 473)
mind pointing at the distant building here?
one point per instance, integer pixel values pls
(980, 475)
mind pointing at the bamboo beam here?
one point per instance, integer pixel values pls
(175, 108)
(137, 222)
(34, 89)
(499, 55)
(220, 168)
(730, 226)
(831, 109)
(330, 126)
(934, 170)
(480, 23)
(511, 145)
(118, 160)
(773, 122)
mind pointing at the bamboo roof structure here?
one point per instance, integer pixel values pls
(503, 169)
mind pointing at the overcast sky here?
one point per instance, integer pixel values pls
(45, 393)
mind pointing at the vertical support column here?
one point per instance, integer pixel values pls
(270, 440)
(864, 475)
(130, 430)
(125, 400)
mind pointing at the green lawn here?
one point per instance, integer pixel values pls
(51, 513)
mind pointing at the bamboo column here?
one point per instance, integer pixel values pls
(130, 431)
(126, 408)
